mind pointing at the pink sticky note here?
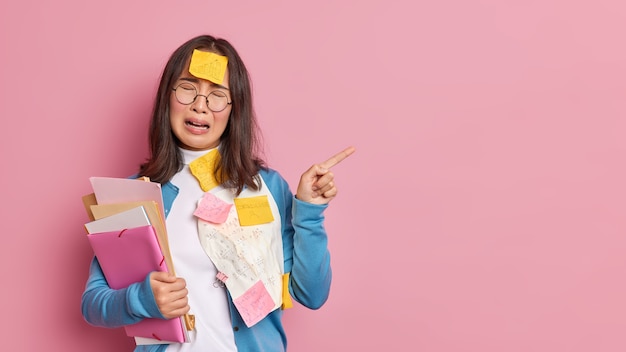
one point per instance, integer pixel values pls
(212, 209)
(254, 304)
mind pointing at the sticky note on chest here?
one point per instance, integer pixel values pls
(203, 169)
(253, 210)
(209, 66)
(212, 209)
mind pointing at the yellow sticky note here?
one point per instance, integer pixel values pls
(253, 210)
(209, 66)
(203, 168)
(287, 303)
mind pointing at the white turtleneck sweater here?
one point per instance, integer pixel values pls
(208, 304)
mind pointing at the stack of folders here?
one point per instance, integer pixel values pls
(128, 236)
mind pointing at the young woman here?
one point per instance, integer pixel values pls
(236, 271)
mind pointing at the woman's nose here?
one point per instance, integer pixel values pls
(200, 105)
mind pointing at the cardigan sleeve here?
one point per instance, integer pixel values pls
(305, 244)
(106, 307)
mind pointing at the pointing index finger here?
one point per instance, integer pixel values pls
(337, 158)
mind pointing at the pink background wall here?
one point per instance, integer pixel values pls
(483, 211)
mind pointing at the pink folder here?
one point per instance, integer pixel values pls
(126, 257)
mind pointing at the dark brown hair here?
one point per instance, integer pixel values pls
(240, 142)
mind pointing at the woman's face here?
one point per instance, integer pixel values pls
(195, 125)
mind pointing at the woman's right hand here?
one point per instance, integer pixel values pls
(170, 294)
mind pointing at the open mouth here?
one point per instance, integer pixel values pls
(196, 124)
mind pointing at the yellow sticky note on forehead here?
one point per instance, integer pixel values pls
(253, 210)
(209, 66)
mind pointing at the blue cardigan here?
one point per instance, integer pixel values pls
(305, 248)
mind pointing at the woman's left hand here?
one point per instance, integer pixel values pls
(317, 184)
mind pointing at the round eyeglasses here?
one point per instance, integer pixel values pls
(186, 94)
